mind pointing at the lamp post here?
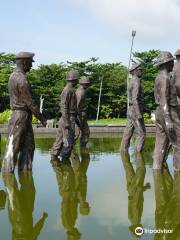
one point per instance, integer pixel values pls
(99, 100)
(130, 57)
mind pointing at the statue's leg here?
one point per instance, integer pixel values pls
(161, 147)
(141, 134)
(128, 132)
(57, 146)
(27, 150)
(70, 140)
(15, 139)
(175, 139)
(85, 132)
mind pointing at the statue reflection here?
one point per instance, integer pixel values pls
(135, 188)
(167, 194)
(21, 205)
(2, 194)
(72, 184)
(80, 170)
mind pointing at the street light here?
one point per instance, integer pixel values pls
(130, 58)
(99, 100)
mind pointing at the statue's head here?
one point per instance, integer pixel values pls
(136, 69)
(165, 60)
(72, 76)
(177, 54)
(24, 60)
(84, 81)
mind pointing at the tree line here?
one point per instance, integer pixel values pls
(48, 81)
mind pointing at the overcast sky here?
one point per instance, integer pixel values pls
(61, 30)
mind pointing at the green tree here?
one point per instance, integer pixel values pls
(6, 68)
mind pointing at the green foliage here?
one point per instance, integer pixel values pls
(6, 68)
(5, 116)
(48, 81)
(147, 119)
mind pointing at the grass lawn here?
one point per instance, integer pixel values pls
(115, 121)
(108, 121)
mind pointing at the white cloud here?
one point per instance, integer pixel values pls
(155, 20)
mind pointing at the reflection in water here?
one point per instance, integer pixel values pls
(2, 194)
(135, 188)
(72, 184)
(167, 194)
(21, 206)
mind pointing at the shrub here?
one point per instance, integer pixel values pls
(5, 116)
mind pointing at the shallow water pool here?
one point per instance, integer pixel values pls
(98, 194)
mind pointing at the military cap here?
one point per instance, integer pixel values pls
(72, 75)
(25, 55)
(164, 57)
(135, 66)
(177, 53)
(84, 80)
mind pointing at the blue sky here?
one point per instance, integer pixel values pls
(60, 30)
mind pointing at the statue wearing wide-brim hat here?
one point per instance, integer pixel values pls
(72, 75)
(135, 66)
(163, 58)
(84, 80)
(25, 55)
(177, 53)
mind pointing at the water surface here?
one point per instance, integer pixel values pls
(98, 195)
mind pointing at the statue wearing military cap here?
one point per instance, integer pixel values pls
(167, 120)
(66, 131)
(21, 137)
(25, 55)
(135, 111)
(83, 129)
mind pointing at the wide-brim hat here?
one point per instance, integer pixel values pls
(164, 57)
(135, 66)
(177, 53)
(84, 80)
(72, 75)
(25, 55)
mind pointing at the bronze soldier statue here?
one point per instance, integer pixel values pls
(135, 111)
(66, 131)
(21, 136)
(167, 119)
(176, 73)
(82, 110)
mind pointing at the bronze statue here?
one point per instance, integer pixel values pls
(67, 190)
(135, 188)
(135, 111)
(176, 72)
(21, 136)
(21, 206)
(167, 118)
(66, 131)
(82, 110)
